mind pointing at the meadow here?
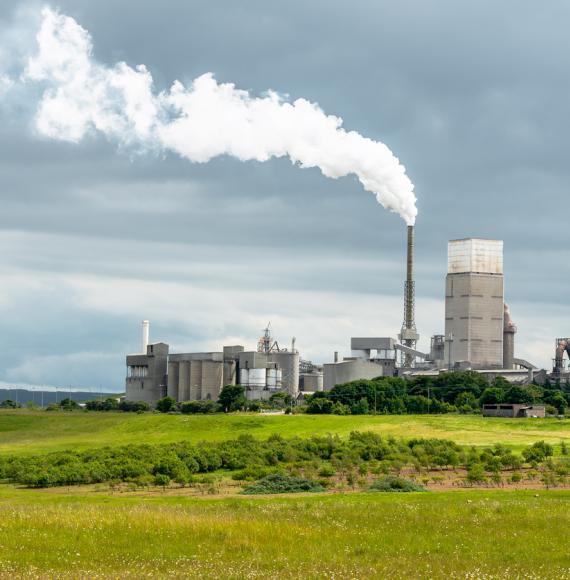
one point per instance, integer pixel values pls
(23, 431)
(467, 534)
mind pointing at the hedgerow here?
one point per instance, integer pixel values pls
(247, 459)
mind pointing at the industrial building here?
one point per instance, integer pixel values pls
(479, 335)
(479, 332)
(474, 304)
(155, 373)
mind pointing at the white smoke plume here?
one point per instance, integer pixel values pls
(202, 121)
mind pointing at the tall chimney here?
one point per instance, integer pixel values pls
(409, 337)
(145, 334)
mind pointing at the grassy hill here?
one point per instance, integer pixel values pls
(23, 431)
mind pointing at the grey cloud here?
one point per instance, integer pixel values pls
(472, 97)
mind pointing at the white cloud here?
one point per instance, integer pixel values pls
(203, 121)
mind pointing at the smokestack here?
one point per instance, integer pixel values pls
(409, 337)
(409, 321)
(145, 334)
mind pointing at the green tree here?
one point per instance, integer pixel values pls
(68, 404)
(232, 398)
(166, 405)
(360, 408)
(492, 396)
(518, 394)
(162, 480)
(465, 402)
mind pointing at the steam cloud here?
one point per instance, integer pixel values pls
(202, 121)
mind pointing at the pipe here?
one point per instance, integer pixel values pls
(145, 335)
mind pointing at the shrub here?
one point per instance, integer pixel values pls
(133, 406)
(199, 407)
(395, 484)
(538, 452)
(476, 473)
(280, 483)
(327, 471)
(161, 479)
(166, 405)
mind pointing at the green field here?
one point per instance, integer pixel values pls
(35, 432)
(491, 534)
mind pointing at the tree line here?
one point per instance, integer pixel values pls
(463, 392)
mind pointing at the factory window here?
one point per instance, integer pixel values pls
(465, 296)
(449, 318)
(464, 318)
(497, 318)
(477, 295)
(476, 318)
(464, 340)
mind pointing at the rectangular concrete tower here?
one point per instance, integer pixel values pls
(474, 304)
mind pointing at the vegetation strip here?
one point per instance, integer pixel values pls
(327, 459)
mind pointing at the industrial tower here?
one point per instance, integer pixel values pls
(409, 335)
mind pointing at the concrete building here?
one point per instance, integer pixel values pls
(199, 376)
(513, 410)
(349, 369)
(147, 374)
(474, 304)
(154, 373)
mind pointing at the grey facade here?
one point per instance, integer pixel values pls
(201, 376)
(348, 370)
(474, 304)
(513, 410)
(147, 374)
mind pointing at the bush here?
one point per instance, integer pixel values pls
(476, 474)
(395, 484)
(162, 480)
(232, 398)
(133, 406)
(199, 407)
(538, 452)
(280, 483)
(166, 405)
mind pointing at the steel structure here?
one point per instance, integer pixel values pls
(409, 336)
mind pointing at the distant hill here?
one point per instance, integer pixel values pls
(24, 396)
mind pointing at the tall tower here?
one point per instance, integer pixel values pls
(409, 336)
(474, 303)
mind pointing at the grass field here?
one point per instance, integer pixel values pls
(469, 534)
(35, 432)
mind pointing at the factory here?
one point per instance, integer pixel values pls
(198, 376)
(479, 335)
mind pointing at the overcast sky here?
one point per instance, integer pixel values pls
(473, 97)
